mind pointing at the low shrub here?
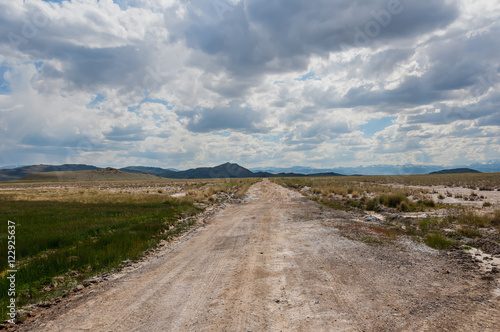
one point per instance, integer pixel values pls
(332, 203)
(426, 225)
(393, 200)
(439, 241)
(495, 218)
(473, 219)
(372, 204)
(427, 203)
(469, 232)
(404, 206)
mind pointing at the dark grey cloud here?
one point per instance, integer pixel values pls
(233, 117)
(455, 69)
(382, 63)
(456, 63)
(258, 36)
(94, 69)
(44, 140)
(441, 114)
(407, 128)
(85, 50)
(413, 91)
(322, 129)
(490, 120)
(132, 132)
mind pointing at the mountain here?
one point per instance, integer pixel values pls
(102, 174)
(19, 172)
(456, 171)
(147, 170)
(360, 170)
(226, 170)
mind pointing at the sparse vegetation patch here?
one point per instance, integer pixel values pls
(430, 219)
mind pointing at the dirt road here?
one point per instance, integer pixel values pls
(276, 263)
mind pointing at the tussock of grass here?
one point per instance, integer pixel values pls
(469, 232)
(427, 225)
(439, 241)
(393, 200)
(472, 218)
(427, 203)
(331, 203)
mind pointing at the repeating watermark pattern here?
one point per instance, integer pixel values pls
(11, 273)
(484, 84)
(363, 37)
(90, 141)
(222, 8)
(29, 29)
(152, 80)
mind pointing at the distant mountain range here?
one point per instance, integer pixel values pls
(78, 172)
(407, 169)
(227, 170)
(231, 170)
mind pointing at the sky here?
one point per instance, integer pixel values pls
(188, 83)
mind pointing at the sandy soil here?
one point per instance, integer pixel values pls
(492, 197)
(276, 262)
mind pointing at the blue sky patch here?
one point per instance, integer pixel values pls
(373, 126)
(4, 85)
(309, 76)
(149, 100)
(156, 101)
(222, 133)
(97, 100)
(269, 138)
(38, 65)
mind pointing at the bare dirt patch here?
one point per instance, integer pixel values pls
(279, 262)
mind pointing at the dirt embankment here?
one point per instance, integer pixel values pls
(277, 263)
